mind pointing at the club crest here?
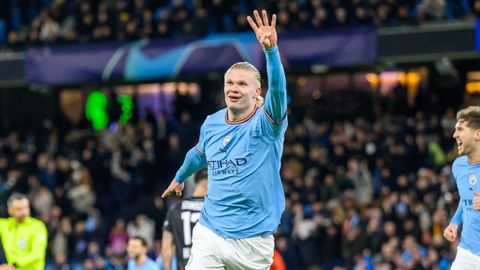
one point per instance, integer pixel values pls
(227, 139)
(472, 179)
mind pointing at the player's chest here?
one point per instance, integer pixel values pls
(468, 183)
(233, 141)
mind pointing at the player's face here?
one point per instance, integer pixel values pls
(465, 137)
(135, 249)
(19, 210)
(241, 88)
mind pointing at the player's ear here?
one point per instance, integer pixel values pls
(258, 91)
(477, 134)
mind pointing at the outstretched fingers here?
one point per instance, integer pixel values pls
(252, 24)
(265, 17)
(171, 188)
(257, 18)
(166, 193)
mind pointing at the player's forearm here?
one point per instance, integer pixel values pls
(457, 217)
(276, 99)
(194, 161)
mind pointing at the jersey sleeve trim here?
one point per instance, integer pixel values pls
(201, 153)
(279, 122)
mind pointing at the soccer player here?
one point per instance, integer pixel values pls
(137, 249)
(242, 147)
(178, 226)
(466, 171)
(24, 238)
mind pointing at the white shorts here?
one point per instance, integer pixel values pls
(211, 251)
(465, 260)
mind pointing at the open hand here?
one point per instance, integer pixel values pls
(265, 32)
(174, 186)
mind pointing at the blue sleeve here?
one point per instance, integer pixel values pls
(457, 217)
(195, 160)
(276, 98)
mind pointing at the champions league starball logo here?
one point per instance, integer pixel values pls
(472, 180)
(227, 139)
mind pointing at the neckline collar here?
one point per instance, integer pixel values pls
(240, 121)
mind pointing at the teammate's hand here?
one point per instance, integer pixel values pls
(174, 186)
(265, 32)
(476, 201)
(450, 233)
(7, 267)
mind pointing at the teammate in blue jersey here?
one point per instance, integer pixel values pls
(241, 146)
(466, 171)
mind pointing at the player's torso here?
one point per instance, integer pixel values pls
(467, 177)
(230, 149)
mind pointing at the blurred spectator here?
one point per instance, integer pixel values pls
(118, 237)
(142, 226)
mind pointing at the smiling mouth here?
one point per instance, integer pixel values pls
(234, 99)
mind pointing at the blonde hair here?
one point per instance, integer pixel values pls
(249, 67)
(246, 66)
(471, 116)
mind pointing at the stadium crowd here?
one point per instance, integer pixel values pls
(36, 22)
(372, 190)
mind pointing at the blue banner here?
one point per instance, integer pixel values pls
(157, 59)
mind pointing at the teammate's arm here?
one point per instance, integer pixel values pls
(450, 233)
(167, 249)
(276, 98)
(39, 246)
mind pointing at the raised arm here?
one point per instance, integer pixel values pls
(276, 98)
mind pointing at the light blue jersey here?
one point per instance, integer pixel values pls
(245, 195)
(149, 264)
(467, 177)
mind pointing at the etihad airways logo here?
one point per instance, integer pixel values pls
(226, 166)
(220, 164)
(468, 205)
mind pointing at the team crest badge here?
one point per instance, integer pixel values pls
(227, 139)
(472, 180)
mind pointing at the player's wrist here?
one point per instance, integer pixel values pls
(271, 48)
